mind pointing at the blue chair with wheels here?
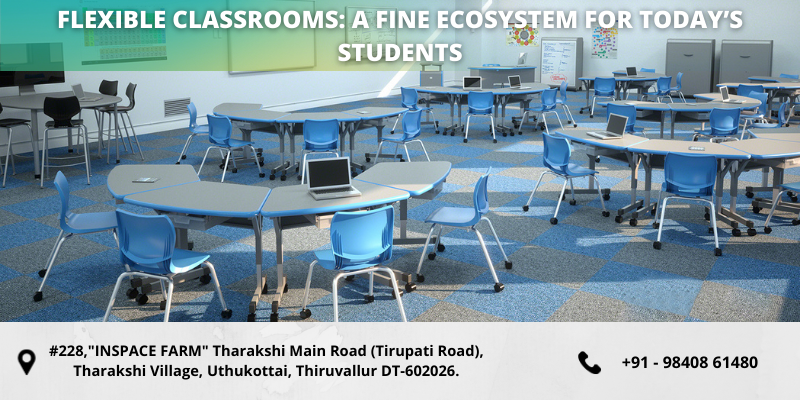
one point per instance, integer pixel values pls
(480, 104)
(195, 130)
(412, 127)
(319, 137)
(409, 98)
(641, 86)
(789, 188)
(663, 89)
(72, 225)
(626, 110)
(465, 218)
(561, 100)
(548, 106)
(782, 119)
(360, 242)
(689, 177)
(759, 114)
(557, 153)
(678, 86)
(9, 124)
(219, 134)
(723, 125)
(147, 249)
(604, 88)
(647, 70)
(748, 90)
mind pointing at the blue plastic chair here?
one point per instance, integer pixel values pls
(782, 119)
(647, 70)
(219, 134)
(73, 224)
(195, 130)
(320, 136)
(409, 98)
(641, 86)
(465, 218)
(9, 124)
(759, 114)
(786, 187)
(663, 89)
(689, 177)
(360, 242)
(412, 127)
(748, 90)
(790, 76)
(147, 249)
(480, 104)
(625, 111)
(678, 86)
(548, 106)
(723, 125)
(557, 153)
(562, 101)
(603, 88)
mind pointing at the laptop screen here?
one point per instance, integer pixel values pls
(472, 82)
(78, 91)
(328, 172)
(616, 123)
(514, 81)
(631, 71)
(723, 90)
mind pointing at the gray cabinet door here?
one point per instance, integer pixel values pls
(695, 58)
(740, 59)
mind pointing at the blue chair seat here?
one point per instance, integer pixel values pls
(452, 216)
(687, 192)
(398, 137)
(327, 260)
(182, 261)
(200, 129)
(91, 222)
(239, 143)
(577, 171)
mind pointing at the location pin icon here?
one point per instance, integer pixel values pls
(26, 365)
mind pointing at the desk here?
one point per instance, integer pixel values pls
(622, 81)
(120, 179)
(35, 103)
(662, 109)
(249, 119)
(760, 79)
(376, 117)
(495, 75)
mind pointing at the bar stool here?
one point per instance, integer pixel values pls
(9, 124)
(123, 112)
(61, 110)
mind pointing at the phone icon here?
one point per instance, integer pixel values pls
(582, 356)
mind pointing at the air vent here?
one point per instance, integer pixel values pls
(176, 107)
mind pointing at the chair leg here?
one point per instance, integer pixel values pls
(8, 154)
(50, 261)
(521, 120)
(497, 239)
(135, 138)
(466, 129)
(424, 251)
(186, 147)
(308, 285)
(203, 162)
(661, 220)
(423, 149)
(396, 147)
(86, 154)
(572, 191)
(335, 286)
(600, 194)
(303, 172)
(225, 167)
(525, 208)
(114, 296)
(491, 118)
(559, 119)
(170, 287)
(408, 156)
(43, 171)
(378, 154)
(394, 288)
(255, 158)
(216, 286)
(554, 220)
(717, 250)
(497, 285)
(775, 203)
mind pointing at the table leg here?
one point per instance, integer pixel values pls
(673, 115)
(261, 278)
(663, 116)
(281, 286)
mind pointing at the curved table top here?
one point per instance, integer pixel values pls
(36, 101)
(716, 100)
(580, 135)
(790, 134)
(664, 146)
(773, 79)
(286, 201)
(642, 105)
(416, 178)
(793, 84)
(760, 149)
(300, 117)
(251, 115)
(367, 113)
(535, 87)
(747, 103)
(216, 199)
(640, 76)
(120, 179)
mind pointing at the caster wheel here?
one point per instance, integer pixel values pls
(220, 166)
(350, 278)
(749, 195)
(606, 197)
(524, 208)
(796, 222)
(410, 287)
(368, 159)
(736, 232)
(494, 141)
(465, 140)
(251, 318)
(162, 305)
(299, 177)
(554, 221)
(656, 225)
(273, 317)
(286, 288)
(235, 170)
(205, 279)
(597, 159)
(794, 199)
(226, 314)
(707, 216)
(606, 214)
(711, 230)
(509, 264)
(440, 247)
(751, 232)
(618, 219)
(297, 169)
(367, 299)
(633, 222)
(591, 116)
(431, 256)
(574, 125)
(260, 163)
(402, 160)
(395, 297)
(305, 313)
(420, 278)
(261, 175)
(767, 230)
(504, 135)
(717, 252)
(37, 296)
(283, 177)
(755, 210)
(572, 202)
(657, 245)
(437, 131)
(580, 111)
(452, 133)
(141, 299)
(272, 177)
(498, 287)
(42, 273)
(512, 134)
(653, 212)
(132, 293)
(183, 157)
(178, 163)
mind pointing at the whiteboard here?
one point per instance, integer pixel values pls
(373, 35)
(561, 60)
(252, 50)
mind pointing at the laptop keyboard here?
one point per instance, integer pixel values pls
(327, 191)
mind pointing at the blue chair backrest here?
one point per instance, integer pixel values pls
(491, 65)
(782, 117)
(562, 90)
(362, 237)
(790, 76)
(647, 70)
(192, 116)
(690, 173)
(480, 102)
(320, 134)
(408, 97)
(625, 111)
(219, 130)
(679, 81)
(724, 121)
(604, 86)
(762, 97)
(549, 98)
(412, 124)
(557, 152)
(480, 198)
(664, 84)
(63, 192)
(746, 90)
(146, 242)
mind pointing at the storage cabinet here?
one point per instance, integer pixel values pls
(695, 58)
(740, 59)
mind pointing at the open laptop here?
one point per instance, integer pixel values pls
(472, 83)
(329, 178)
(631, 72)
(78, 91)
(515, 83)
(726, 98)
(614, 130)
(522, 57)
